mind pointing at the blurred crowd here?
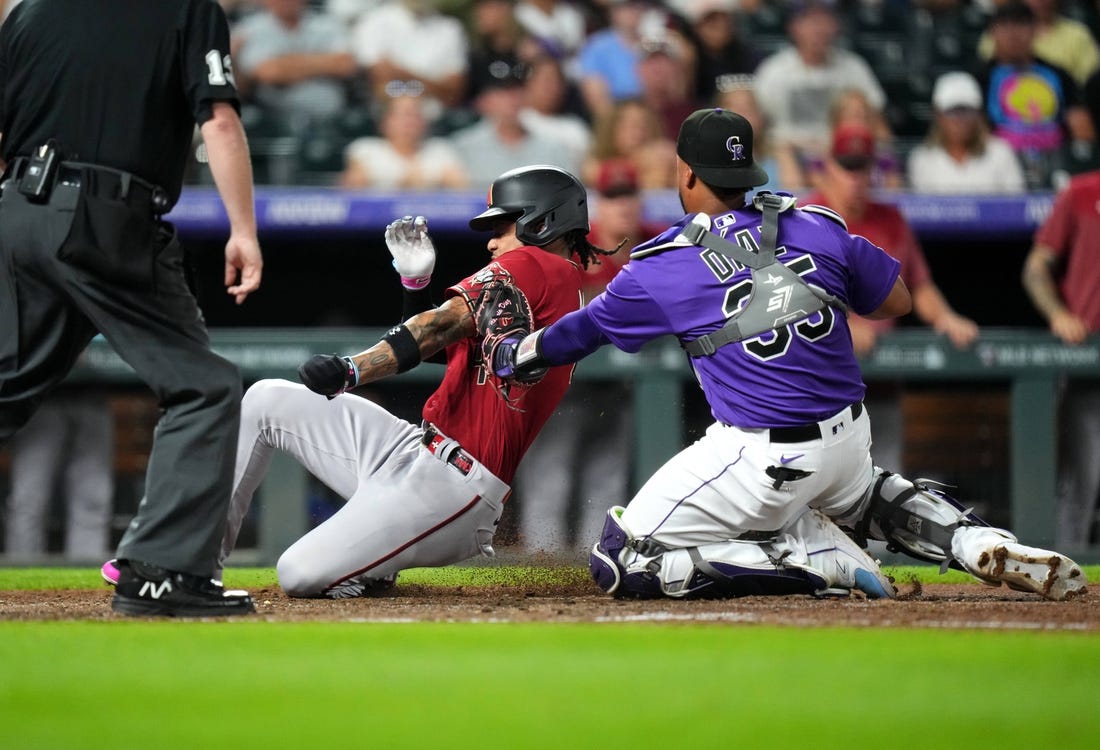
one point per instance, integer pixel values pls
(846, 97)
(971, 96)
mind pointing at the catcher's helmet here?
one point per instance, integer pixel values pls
(544, 201)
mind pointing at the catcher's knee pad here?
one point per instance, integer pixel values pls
(608, 571)
(914, 517)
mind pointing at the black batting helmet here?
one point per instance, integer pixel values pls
(544, 201)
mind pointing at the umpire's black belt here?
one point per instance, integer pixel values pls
(104, 182)
(446, 449)
(805, 432)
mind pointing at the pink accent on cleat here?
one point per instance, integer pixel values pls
(109, 571)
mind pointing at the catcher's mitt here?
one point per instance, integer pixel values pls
(503, 317)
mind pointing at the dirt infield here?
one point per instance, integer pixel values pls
(969, 606)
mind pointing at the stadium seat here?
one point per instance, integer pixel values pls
(908, 107)
(452, 119)
(885, 52)
(766, 44)
(273, 144)
(767, 19)
(877, 18)
(946, 40)
(357, 122)
(1074, 159)
(321, 156)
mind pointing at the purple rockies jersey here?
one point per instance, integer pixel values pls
(801, 373)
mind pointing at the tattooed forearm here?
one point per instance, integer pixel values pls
(376, 362)
(438, 328)
(433, 330)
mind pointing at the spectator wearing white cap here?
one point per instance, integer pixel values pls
(960, 154)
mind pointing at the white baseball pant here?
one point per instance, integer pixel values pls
(407, 506)
(719, 488)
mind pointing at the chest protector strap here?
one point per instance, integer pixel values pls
(786, 298)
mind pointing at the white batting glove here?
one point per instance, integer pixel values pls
(412, 250)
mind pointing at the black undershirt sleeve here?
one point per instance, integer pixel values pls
(414, 302)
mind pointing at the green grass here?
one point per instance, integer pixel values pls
(249, 683)
(29, 579)
(265, 685)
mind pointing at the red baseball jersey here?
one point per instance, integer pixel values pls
(1072, 231)
(468, 405)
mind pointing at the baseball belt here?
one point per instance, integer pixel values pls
(446, 449)
(805, 432)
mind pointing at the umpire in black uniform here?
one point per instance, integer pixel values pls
(98, 105)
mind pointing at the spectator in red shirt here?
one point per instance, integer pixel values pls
(1061, 275)
(617, 221)
(845, 188)
(845, 178)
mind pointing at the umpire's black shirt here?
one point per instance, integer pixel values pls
(120, 83)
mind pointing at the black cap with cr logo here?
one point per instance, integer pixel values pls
(717, 145)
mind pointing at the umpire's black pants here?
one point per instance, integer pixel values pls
(87, 262)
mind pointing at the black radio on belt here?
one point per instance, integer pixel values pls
(37, 180)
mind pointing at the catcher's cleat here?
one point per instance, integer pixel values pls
(110, 573)
(150, 591)
(1039, 571)
(874, 584)
(842, 562)
(994, 556)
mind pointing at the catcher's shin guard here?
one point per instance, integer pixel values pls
(811, 556)
(626, 567)
(744, 568)
(914, 517)
(927, 523)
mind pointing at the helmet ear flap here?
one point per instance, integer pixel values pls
(534, 230)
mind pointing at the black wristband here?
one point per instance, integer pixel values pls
(415, 301)
(405, 348)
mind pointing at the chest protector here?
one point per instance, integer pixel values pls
(779, 295)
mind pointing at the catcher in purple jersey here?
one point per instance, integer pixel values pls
(780, 495)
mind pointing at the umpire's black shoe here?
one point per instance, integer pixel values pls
(149, 591)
